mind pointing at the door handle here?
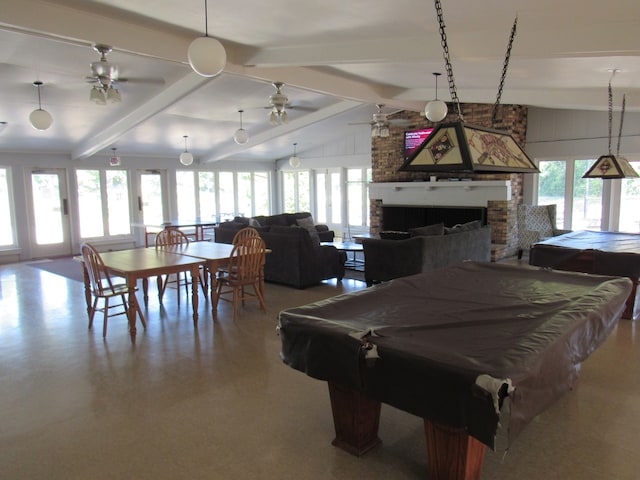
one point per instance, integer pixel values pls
(139, 203)
(65, 206)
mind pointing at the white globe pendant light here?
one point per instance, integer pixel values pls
(186, 158)
(241, 136)
(207, 55)
(40, 119)
(294, 160)
(436, 110)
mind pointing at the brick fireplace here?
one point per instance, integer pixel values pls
(501, 207)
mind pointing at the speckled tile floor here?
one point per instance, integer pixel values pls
(216, 402)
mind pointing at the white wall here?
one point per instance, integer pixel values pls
(575, 134)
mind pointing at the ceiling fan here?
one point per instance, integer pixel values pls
(104, 77)
(380, 122)
(279, 104)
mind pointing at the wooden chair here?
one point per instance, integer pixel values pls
(244, 233)
(103, 286)
(172, 237)
(244, 271)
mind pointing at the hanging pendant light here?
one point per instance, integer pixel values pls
(436, 110)
(612, 166)
(241, 136)
(186, 158)
(207, 55)
(294, 160)
(40, 119)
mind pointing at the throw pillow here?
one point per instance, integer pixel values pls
(254, 223)
(307, 224)
(429, 230)
(463, 227)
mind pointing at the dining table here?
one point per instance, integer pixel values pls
(198, 225)
(213, 255)
(140, 264)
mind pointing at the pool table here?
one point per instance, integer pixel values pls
(604, 253)
(452, 346)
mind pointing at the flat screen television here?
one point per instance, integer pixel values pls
(413, 139)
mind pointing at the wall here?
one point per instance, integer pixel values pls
(386, 159)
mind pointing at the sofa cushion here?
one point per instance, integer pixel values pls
(307, 224)
(463, 227)
(435, 229)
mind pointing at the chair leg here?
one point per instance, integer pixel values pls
(235, 302)
(520, 254)
(92, 312)
(106, 317)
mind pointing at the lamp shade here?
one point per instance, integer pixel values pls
(97, 96)
(611, 166)
(435, 110)
(40, 119)
(207, 56)
(186, 158)
(241, 136)
(294, 161)
(458, 146)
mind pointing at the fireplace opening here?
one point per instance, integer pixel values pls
(402, 218)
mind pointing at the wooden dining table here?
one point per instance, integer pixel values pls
(214, 255)
(141, 263)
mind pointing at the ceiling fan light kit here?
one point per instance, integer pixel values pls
(207, 55)
(186, 157)
(40, 119)
(103, 75)
(278, 102)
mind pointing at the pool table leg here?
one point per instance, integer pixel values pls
(356, 419)
(452, 454)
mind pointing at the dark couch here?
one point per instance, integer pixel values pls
(388, 259)
(296, 259)
(225, 231)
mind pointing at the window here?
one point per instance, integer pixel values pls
(630, 203)
(242, 193)
(7, 232)
(582, 203)
(186, 195)
(358, 196)
(103, 203)
(296, 193)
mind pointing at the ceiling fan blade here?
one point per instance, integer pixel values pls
(148, 81)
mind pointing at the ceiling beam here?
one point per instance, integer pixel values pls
(324, 113)
(103, 138)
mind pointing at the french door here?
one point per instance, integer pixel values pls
(48, 212)
(152, 201)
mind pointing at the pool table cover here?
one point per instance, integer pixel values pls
(452, 344)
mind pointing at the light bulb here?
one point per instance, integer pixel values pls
(207, 56)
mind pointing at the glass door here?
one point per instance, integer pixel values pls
(151, 197)
(48, 213)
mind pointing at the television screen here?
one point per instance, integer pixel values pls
(413, 139)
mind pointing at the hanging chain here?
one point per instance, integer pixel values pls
(505, 66)
(621, 121)
(610, 115)
(447, 60)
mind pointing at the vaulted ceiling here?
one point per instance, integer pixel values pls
(337, 59)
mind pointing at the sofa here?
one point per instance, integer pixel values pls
(426, 249)
(225, 231)
(296, 256)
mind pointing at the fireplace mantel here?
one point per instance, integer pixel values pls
(454, 194)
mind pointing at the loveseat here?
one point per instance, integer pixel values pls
(296, 258)
(426, 249)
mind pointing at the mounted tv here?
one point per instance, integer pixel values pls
(413, 139)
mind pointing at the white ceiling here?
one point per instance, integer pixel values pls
(337, 58)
